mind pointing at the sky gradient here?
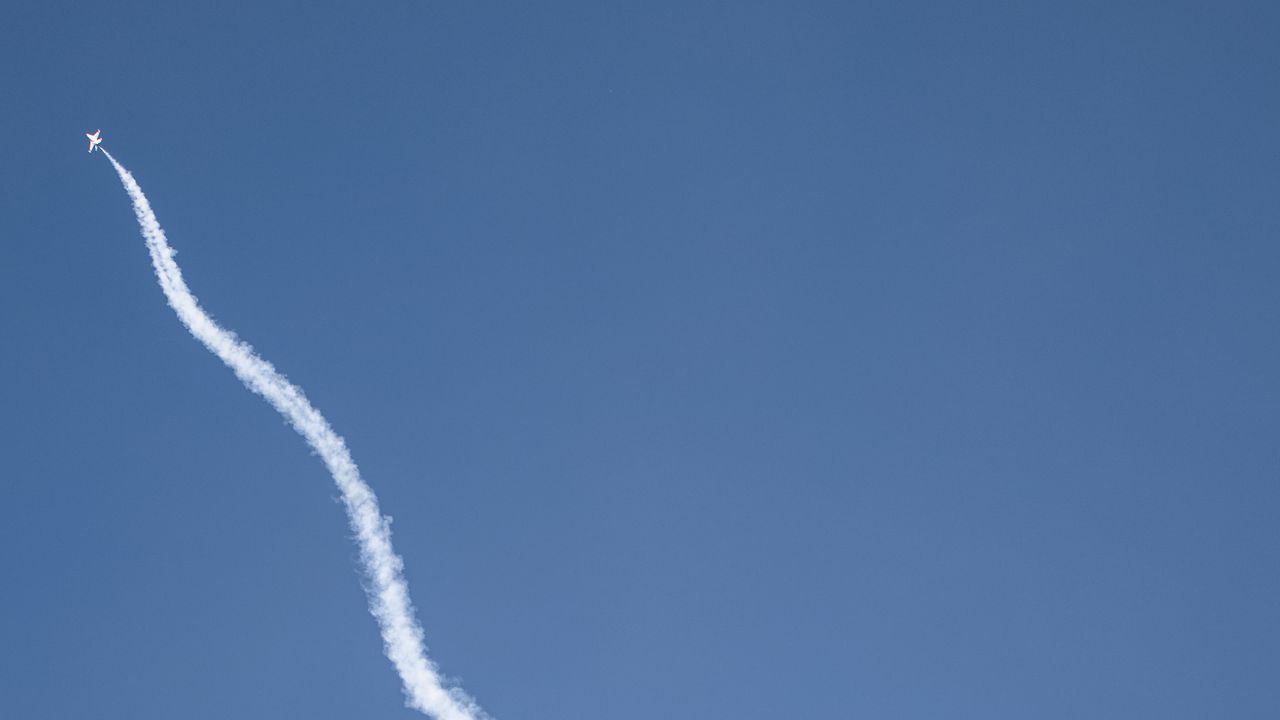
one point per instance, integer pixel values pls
(752, 360)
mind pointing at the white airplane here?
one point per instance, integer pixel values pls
(94, 139)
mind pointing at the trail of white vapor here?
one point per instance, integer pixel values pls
(388, 593)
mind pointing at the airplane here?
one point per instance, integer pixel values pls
(94, 139)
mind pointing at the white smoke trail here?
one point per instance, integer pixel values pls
(388, 593)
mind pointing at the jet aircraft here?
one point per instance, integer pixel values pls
(94, 139)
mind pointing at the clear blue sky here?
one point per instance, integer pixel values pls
(737, 359)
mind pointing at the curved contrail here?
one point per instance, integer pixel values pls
(388, 593)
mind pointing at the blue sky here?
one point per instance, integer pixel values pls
(755, 360)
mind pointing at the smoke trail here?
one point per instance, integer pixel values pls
(388, 593)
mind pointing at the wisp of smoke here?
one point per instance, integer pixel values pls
(388, 593)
